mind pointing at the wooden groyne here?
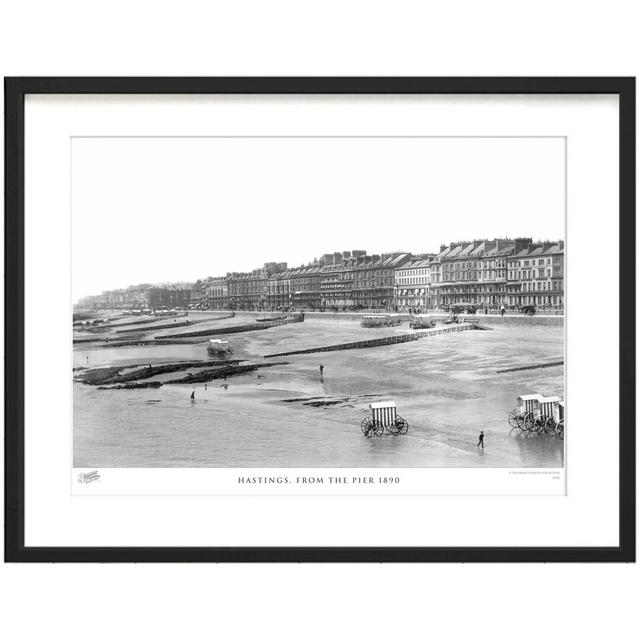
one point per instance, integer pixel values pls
(533, 366)
(379, 342)
(237, 329)
(142, 321)
(272, 319)
(171, 325)
(361, 344)
(222, 316)
(299, 317)
(450, 328)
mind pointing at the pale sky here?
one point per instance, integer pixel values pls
(179, 209)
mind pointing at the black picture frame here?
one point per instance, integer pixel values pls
(15, 91)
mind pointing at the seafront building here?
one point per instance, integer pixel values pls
(216, 293)
(413, 284)
(536, 276)
(483, 274)
(474, 273)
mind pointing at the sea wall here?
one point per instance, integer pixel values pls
(519, 320)
(507, 320)
(510, 319)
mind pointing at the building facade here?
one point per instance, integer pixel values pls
(216, 293)
(493, 273)
(487, 274)
(197, 294)
(279, 290)
(305, 287)
(413, 285)
(536, 276)
(250, 290)
(375, 280)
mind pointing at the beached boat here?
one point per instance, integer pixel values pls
(217, 346)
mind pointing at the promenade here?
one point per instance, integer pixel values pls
(509, 319)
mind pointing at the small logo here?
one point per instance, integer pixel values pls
(86, 478)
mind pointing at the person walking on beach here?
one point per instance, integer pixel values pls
(502, 310)
(193, 395)
(321, 370)
(481, 439)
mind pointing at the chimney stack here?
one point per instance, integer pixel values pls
(522, 243)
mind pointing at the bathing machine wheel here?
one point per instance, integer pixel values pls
(371, 428)
(529, 422)
(398, 427)
(514, 419)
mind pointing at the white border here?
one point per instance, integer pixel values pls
(339, 481)
(53, 517)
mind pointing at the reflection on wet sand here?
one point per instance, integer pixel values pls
(446, 387)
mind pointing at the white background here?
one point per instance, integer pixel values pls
(54, 517)
(328, 38)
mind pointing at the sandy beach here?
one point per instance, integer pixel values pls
(446, 387)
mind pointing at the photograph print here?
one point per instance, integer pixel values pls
(318, 302)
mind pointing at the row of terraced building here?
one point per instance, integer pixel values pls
(483, 273)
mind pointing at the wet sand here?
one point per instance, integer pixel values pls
(445, 387)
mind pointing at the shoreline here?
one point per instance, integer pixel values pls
(445, 387)
(516, 319)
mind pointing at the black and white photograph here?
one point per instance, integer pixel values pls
(320, 319)
(318, 301)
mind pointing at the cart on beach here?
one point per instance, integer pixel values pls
(217, 347)
(536, 413)
(381, 320)
(383, 416)
(422, 321)
(560, 425)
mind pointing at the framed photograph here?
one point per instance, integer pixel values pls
(320, 319)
